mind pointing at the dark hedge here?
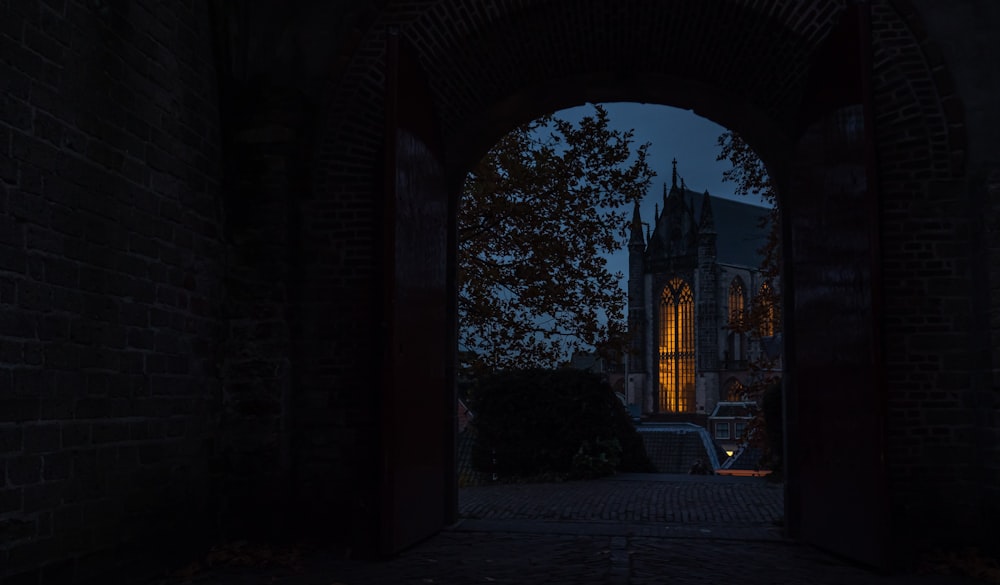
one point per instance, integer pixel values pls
(771, 408)
(539, 422)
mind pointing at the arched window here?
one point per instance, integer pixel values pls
(737, 303)
(677, 348)
(769, 310)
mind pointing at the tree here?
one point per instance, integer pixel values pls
(536, 213)
(762, 314)
(750, 176)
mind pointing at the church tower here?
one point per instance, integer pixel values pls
(672, 264)
(708, 309)
(636, 371)
(686, 278)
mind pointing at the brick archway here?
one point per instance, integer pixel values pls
(190, 261)
(743, 64)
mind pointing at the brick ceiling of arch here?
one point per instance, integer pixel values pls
(494, 63)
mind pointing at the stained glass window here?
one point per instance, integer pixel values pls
(677, 348)
(737, 300)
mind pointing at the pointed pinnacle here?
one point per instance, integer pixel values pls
(707, 223)
(636, 226)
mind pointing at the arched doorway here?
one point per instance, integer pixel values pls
(758, 70)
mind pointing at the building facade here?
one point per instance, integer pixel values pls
(690, 282)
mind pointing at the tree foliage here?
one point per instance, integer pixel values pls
(536, 213)
(751, 178)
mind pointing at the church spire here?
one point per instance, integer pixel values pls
(637, 238)
(707, 223)
(674, 178)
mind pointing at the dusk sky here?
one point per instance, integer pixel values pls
(672, 133)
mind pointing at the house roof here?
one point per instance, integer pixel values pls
(734, 409)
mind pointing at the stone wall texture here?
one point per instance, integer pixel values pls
(111, 286)
(189, 283)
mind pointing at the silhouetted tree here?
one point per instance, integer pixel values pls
(750, 176)
(762, 316)
(536, 213)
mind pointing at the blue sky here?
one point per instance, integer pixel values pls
(672, 133)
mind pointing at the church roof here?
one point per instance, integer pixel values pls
(739, 235)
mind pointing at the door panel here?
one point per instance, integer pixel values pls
(415, 429)
(837, 480)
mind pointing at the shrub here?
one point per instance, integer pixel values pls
(541, 421)
(596, 459)
(766, 430)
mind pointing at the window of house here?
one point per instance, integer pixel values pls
(738, 430)
(721, 430)
(677, 348)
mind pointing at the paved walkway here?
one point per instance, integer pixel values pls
(632, 529)
(642, 503)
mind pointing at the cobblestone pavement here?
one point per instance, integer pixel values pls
(633, 498)
(634, 530)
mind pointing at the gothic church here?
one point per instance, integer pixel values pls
(688, 279)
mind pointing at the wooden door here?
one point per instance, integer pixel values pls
(416, 430)
(835, 398)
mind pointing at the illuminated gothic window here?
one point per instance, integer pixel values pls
(769, 311)
(677, 348)
(736, 302)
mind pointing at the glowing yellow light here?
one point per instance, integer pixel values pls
(677, 376)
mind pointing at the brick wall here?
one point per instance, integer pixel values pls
(699, 55)
(918, 223)
(960, 39)
(935, 277)
(136, 398)
(110, 286)
(492, 65)
(266, 173)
